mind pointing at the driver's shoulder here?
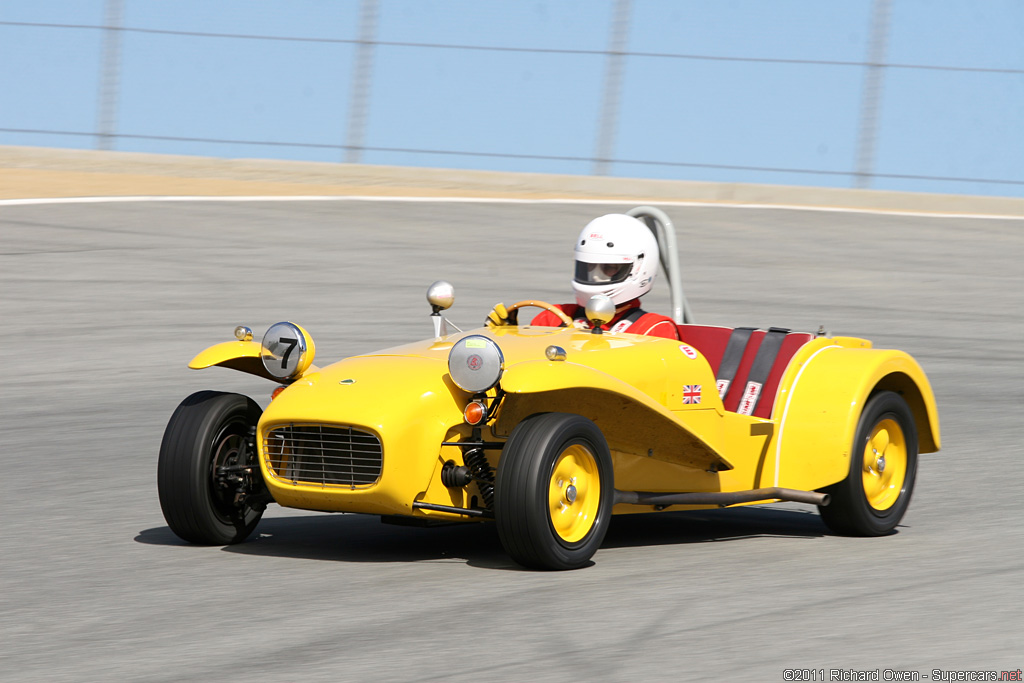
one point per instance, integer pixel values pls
(656, 325)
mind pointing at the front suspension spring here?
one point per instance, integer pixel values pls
(482, 473)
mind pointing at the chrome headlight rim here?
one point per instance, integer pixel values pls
(286, 351)
(476, 364)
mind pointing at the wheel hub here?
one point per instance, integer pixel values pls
(885, 464)
(574, 495)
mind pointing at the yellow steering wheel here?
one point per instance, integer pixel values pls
(539, 304)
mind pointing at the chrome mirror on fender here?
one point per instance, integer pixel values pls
(600, 310)
(440, 296)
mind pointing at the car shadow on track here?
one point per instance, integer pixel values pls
(360, 538)
(706, 526)
(363, 538)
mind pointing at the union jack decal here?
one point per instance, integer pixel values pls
(691, 393)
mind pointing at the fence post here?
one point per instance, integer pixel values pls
(358, 104)
(110, 72)
(871, 98)
(609, 122)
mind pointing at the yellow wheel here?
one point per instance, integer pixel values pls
(574, 494)
(885, 464)
(874, 496)
(553, 492)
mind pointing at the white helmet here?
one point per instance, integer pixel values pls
(616, 255)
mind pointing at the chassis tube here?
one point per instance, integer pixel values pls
(719, 498)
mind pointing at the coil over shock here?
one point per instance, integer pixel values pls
(482, 474)
(476, 469)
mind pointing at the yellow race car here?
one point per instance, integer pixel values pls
(546, 432)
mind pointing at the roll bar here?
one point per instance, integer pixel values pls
(665, 233)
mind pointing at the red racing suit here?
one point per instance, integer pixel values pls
(625, 320)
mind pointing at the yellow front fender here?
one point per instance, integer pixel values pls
(237, 355)
(631, 421)
(822, 407)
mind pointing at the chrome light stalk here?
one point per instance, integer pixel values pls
(440, 296)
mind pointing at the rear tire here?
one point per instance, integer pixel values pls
(204, 433)
(873, 498)
(554, 490)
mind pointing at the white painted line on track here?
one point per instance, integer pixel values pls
(498, 200)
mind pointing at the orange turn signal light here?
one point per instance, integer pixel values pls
(276, 391)
(475, 412)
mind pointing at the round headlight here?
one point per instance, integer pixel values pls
(287, 350)
(475, 363)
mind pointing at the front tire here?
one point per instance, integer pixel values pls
(207, 431)
(873, 498)
(554, 489)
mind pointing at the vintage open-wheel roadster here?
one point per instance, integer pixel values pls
(546, 432)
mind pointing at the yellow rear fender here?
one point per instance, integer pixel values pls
(237, 355)
(631, 421)
(818, 419)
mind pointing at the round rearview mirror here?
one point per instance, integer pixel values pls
(441, 295)
(600, 310)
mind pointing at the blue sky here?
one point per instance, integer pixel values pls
(710, 113)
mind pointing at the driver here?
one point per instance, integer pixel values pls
(616, 255)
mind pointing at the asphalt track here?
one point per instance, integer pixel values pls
(103, 305)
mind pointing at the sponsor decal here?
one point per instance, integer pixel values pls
(723, 388)
(691, 393)
(688, 351)
(595, 236)
(620, 326)
(475, 362)
(749, 400)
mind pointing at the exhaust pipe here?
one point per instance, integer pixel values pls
(719, 498)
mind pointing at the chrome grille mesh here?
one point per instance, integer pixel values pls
(323, 455)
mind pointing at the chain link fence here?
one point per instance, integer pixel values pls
(596, 101)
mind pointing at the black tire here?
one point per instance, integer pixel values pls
(866, 503)
(528, 489)
(203, 434)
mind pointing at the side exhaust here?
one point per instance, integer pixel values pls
(718, 498)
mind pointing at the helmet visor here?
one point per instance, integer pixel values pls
(601, 273)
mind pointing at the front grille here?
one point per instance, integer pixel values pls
(324, 455)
